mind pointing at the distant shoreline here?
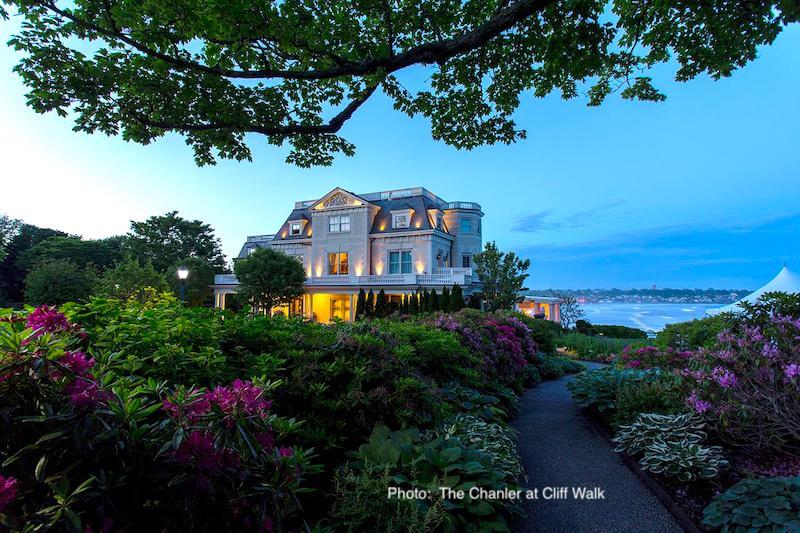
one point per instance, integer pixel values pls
(648, 296)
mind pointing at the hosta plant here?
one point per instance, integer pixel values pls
(684, 459)
(757, 504)
(598, 388)
(651, 427)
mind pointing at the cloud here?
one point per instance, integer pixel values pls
(544, 221)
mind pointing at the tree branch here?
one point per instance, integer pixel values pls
(434, 52)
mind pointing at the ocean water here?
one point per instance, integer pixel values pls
(648, 317)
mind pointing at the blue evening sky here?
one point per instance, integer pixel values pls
(699, 191)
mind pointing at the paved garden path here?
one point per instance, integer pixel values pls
(561, 448)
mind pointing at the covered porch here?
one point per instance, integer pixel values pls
(546, 307)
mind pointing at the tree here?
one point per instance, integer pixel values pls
(456, 298)
(103, 254)
(434, 304)
(413, 303)
(503, 276)
(425, 301)
(381, 307)
(445, 300)
(131, 279)
(474, 301)
(201, 276)
(370, 307)
(296, 72)
(569, 310)
(404, 307)
(361, 303)
(8, 228)
(58, 281)
(12, 278)
(169, 239)
(268, 278)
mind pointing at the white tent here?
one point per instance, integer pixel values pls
(785, 281)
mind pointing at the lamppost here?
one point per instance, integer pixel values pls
(183, 273)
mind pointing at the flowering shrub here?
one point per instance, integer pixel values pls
(130, 454)
(749, 386)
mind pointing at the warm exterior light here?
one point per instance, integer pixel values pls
(319, 269)
(183, 272)
(379, 268)
(420, 267)
(359, 269)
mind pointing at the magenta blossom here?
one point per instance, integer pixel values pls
(85, 393)
(8, 491)
(46, 319)
(266, 440)
(195, 407)
(770, 351)
(198, 450)
(240, 398)
(285, 452)
(78, 362)
(725, 378)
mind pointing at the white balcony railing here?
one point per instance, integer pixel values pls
(440, 277)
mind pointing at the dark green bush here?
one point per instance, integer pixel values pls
(761, 504)
(600, 388)
(701, 333)
(659, 392)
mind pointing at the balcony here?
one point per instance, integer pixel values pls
(440, 277)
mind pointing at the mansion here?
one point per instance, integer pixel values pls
(400, 241)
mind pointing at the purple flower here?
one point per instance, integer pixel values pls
(792, 370)
(240, 398)
(46, 319)
(285, 452)
(84, 393)
(193, 408)
(8, 491)
(701, 406)
(770, 351)
(78, 362)
(725, 378)
(266, 440)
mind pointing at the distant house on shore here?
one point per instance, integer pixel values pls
(786, 281)
(400, 241)
(545, 307)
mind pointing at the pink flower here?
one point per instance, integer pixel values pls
(78, 362)
(285, 452)
(266, 440)
(196, 406)
(770, 351)
(46, 319)
(240, 398)
(198, 450)
(84, 393)
(725, 378)
(8, 491)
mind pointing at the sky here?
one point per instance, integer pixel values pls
(699, 191)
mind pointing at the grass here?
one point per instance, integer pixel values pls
(594, 348)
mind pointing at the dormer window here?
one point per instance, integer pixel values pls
(401, 218)
(295, 228)
(400, 221)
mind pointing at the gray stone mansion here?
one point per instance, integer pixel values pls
(399, 241)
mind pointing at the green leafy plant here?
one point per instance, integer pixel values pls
(759, 504)
(660, 392)
(599, 388)
(651, 427)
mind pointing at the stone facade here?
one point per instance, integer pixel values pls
(399, 241)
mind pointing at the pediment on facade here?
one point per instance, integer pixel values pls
(339, 198)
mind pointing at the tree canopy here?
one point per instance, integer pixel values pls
(58, 281)
(103, 253)
(168, 239)
(296, 71)
(503, 275)
(268, 278)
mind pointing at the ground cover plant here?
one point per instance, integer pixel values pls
(121, 409)
(715, 402)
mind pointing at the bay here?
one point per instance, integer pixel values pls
(647, 317)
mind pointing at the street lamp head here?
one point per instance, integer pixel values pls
(183, 272)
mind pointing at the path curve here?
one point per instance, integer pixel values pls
(560, 448)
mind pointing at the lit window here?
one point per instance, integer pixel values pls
(400, 221)
(466, 260)
(338, 223)
(295, 228)
(400, 262)
(466, 225)
(338, 264)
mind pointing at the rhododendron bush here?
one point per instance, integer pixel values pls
(85, 450)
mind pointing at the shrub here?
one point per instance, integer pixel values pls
(596, 348)
(763, 504)
(555, 367)
(497, 440)
(428, 465)
(659, 393)
(133, 454)
(599, 388)
(671, 445)
(57, 281)
(700, 333)
(543, 332)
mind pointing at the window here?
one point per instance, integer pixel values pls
(294, 229)
(466, 225)
(400, 262)
(400, 221)
(338, 223)
(466, 260)
(338, 264)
